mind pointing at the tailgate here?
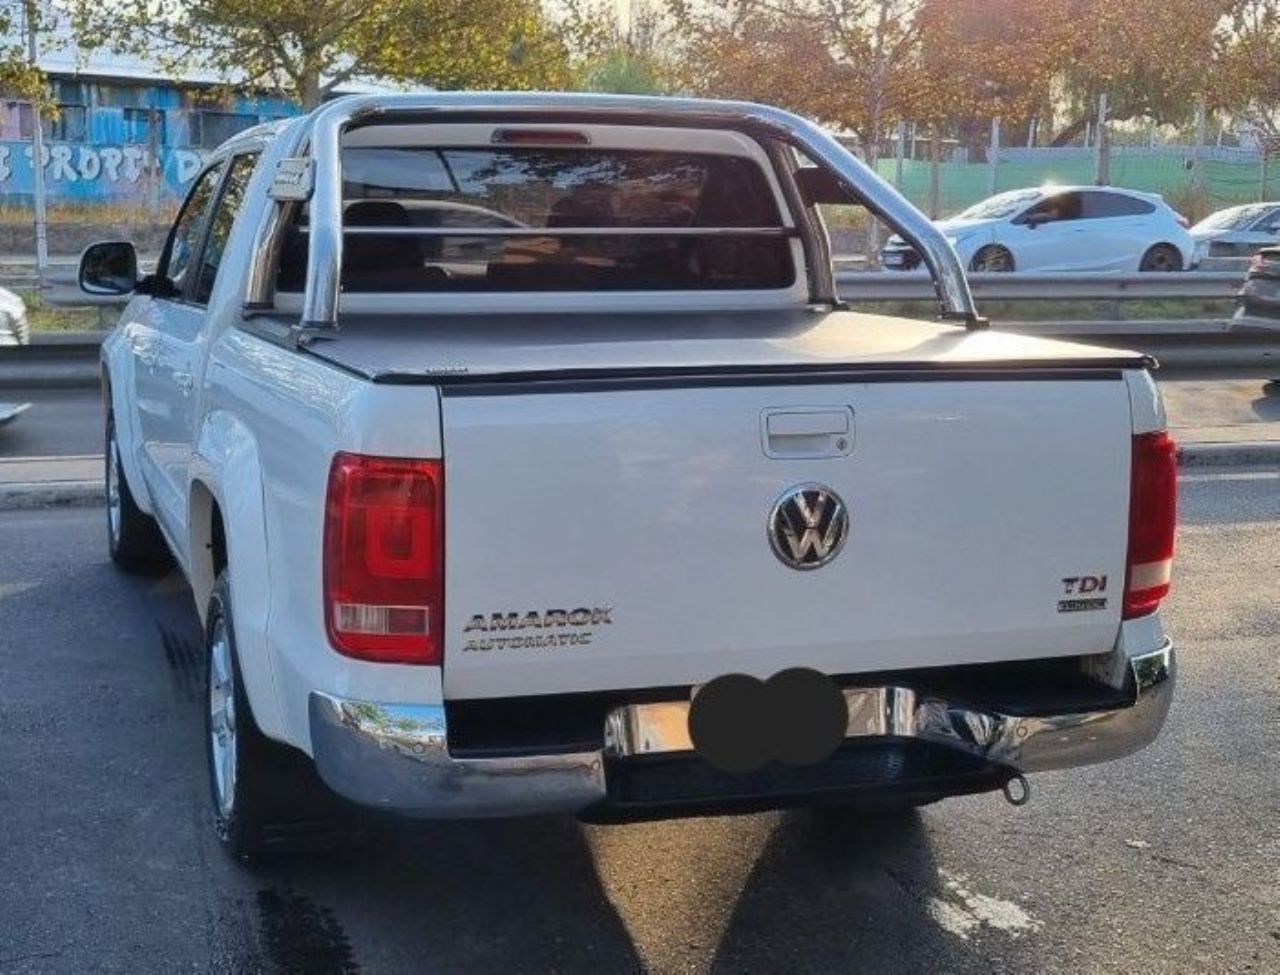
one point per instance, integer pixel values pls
(625, 538)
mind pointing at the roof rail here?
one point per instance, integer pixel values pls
(320, 179)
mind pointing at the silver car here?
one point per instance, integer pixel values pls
(1239, 231)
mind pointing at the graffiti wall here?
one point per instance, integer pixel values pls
(98, 173)
(117, 143)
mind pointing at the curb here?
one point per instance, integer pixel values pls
(1247, 453)
(88, 494)
(51, 494)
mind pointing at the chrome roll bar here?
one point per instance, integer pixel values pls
(320, 177)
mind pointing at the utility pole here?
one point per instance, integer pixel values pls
(900, 150)
(37, 152)
(1264, 150)
(994, 157)
(935, 164)
(1102, 146)
(1197, 151)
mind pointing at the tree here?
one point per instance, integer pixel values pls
(841, 61)
(612, 56)
(304, 49)
(1247, 66)
(1151, 57)
(19, 78)
(977, 60)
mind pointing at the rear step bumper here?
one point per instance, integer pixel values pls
(396, 757)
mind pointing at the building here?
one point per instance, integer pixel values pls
(124, 132)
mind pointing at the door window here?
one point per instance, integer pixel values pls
(220, 221)
(1054, 209)
(184, 238)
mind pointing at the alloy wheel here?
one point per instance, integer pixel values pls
(222, 719)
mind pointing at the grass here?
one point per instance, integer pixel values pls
(57, 318)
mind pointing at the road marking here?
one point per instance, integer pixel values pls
(960, 911)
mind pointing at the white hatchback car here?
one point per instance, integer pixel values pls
(1062, 228)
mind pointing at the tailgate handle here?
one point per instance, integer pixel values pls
(805, 432)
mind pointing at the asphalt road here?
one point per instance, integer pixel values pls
(1168, 861)
(61, 422)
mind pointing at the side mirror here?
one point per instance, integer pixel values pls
(1036, 219)
(109, 269)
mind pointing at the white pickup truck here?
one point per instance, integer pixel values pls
(522, 458)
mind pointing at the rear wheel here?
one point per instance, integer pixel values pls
(992, 258)
(266, 796)
(1161, 257)
(133, 537)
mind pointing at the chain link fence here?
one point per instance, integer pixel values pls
(946, 175)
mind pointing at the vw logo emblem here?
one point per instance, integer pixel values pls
(808, 526)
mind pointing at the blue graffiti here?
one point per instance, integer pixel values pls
(100, 173)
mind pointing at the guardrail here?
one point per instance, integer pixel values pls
(1195, 343)
(53, 359)
(1065, 286)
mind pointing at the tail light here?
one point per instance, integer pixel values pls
(1153, 497)
(384, 558)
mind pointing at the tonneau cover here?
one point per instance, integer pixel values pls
(460, 348)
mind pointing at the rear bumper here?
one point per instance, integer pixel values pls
(396, 757)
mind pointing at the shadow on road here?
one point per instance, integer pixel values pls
(497, 896)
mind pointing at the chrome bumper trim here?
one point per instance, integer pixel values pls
(396, 757)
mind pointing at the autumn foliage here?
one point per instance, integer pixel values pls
(860, 64)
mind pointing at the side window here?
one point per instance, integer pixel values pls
(1101, 205)
(220, 220)
(1267, 222)
(1060, 206)
(184, 238)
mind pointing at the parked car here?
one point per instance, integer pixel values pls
(632, 517)
(1237, 231)
(14, 329)
(1062, 228)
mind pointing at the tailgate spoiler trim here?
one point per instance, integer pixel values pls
(665, 377)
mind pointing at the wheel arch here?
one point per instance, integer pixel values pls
(227, 529)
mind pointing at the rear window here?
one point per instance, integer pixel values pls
(553, 219)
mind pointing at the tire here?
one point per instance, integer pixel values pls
(266, 796)
(993, 258)
(1161, 258)
(133, 537)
